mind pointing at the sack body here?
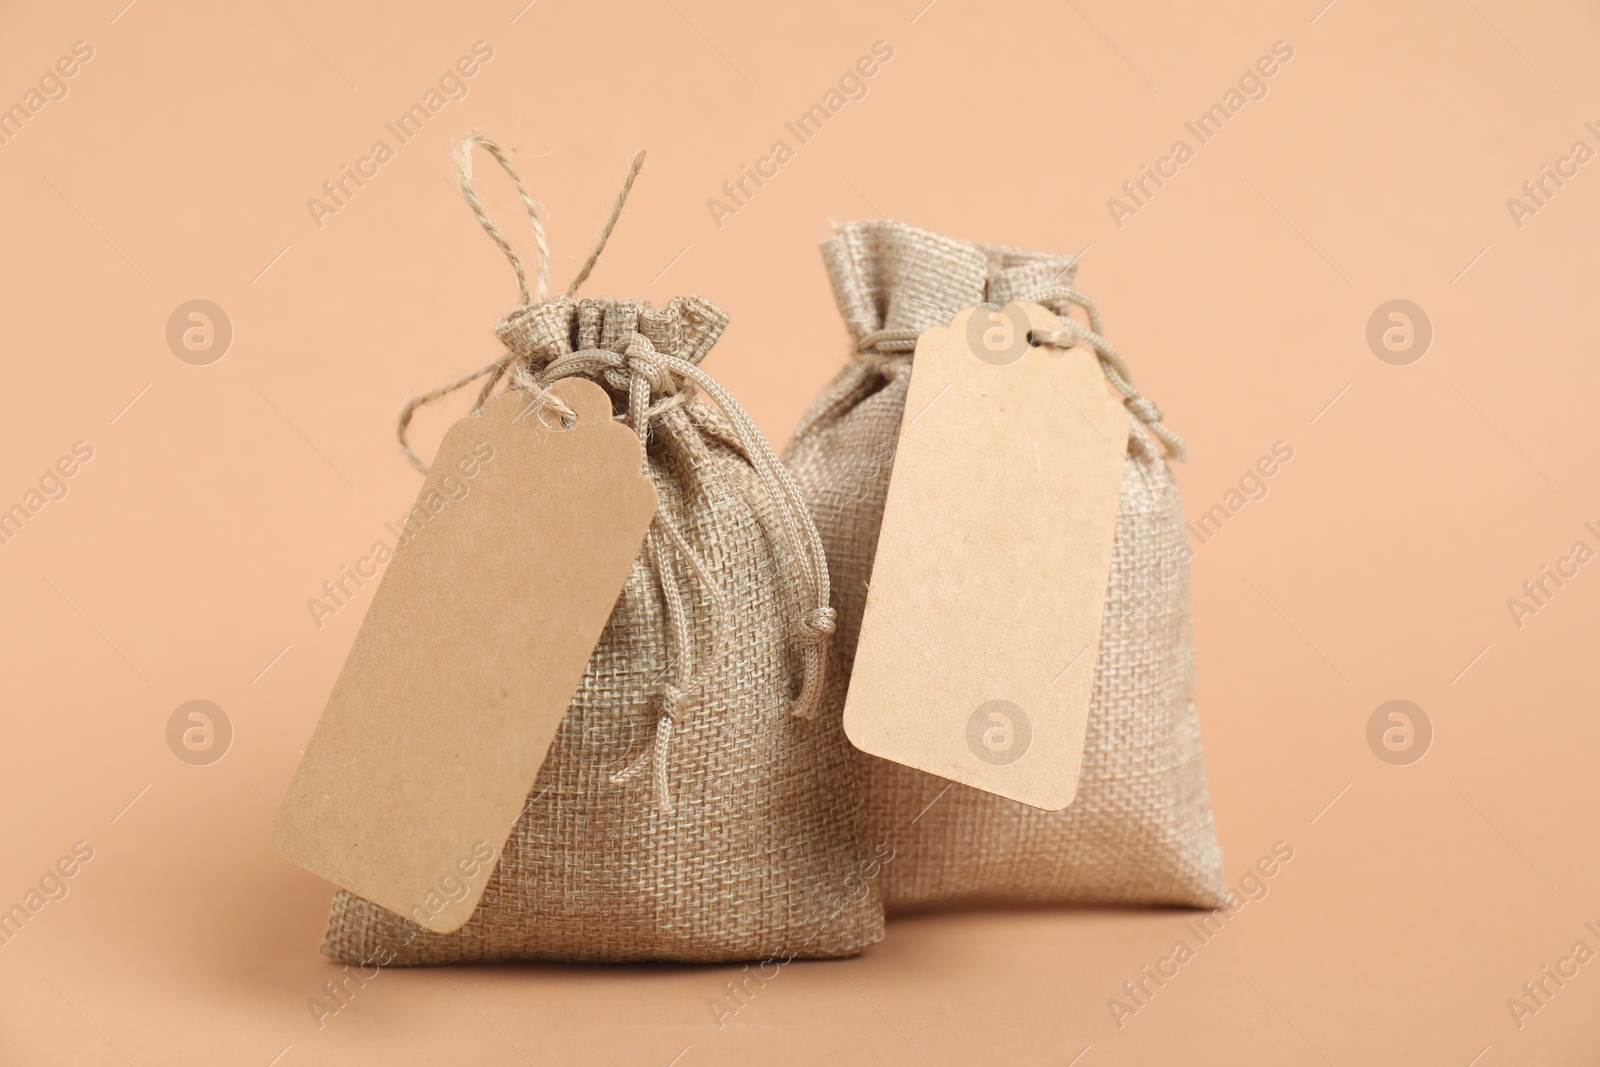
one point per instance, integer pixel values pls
(1140, 829)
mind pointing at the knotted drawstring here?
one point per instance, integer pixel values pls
(642, 373)
(801, 554)
(674, 699)
(886, 350)
(803, 548)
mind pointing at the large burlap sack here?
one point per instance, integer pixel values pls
(693, 805)
(1140, 829)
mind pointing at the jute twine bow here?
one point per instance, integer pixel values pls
(658, 386)
(496, 368)
(889, 349)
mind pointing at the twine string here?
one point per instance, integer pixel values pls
(476, 139)
(497, 368)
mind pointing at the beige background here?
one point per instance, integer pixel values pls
(178, 567)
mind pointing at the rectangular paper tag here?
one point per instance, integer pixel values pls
(978, 647)
(476, 640)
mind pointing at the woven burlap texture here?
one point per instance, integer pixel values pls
(764, 852)
(1140, 829)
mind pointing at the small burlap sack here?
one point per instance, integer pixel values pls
(693, 806)
(1140, 829)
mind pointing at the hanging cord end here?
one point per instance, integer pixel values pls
(816, 629)
(430, 396)
(673, 703)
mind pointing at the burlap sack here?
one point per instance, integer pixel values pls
(1140, 830)
(693, 805)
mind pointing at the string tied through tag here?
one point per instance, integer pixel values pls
(1057, 299)
(889, 352)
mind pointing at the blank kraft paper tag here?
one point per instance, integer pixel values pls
(464, 666)
(977, 653)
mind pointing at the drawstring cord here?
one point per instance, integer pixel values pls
(1114, 366)
(674, 700)
(665, 373)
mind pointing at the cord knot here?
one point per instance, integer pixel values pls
(818, 624)
(1144, 409)
(673, 702)
(642, 359)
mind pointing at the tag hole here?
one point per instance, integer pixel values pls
(1032, 341)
